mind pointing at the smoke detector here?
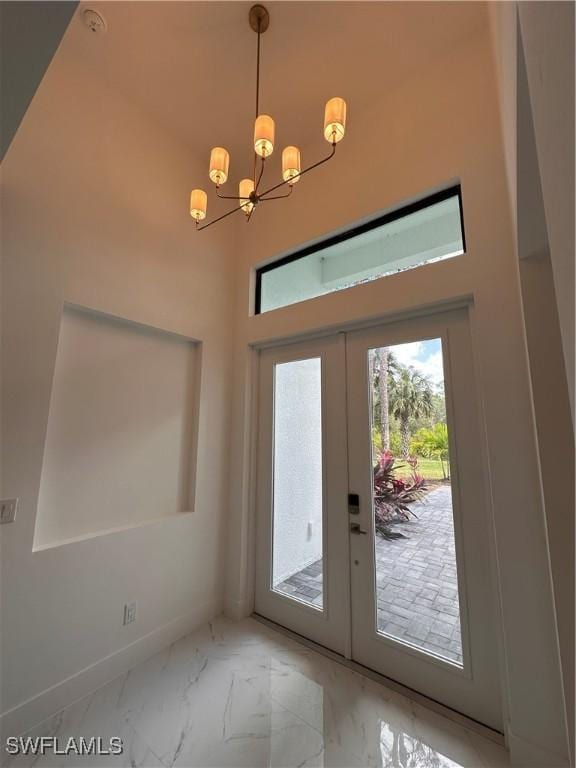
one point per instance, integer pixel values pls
(95, 22)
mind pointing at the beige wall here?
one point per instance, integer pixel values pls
(534, 51)
(449, 130)
(542, 34)
(94, 212)
(502, 15)
(556, 446)
(119, 438)
(547, 33)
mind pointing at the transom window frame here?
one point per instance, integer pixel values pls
(398, 213)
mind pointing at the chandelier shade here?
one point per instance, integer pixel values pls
(198, 204)
(291, 165)
(335, 120)
(249, 189)
(219, 165)
(245, 189)
(264, 130)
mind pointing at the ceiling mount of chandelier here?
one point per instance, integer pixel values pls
(249, 190)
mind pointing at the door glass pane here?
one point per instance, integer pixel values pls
(415, 558)
(297, 569)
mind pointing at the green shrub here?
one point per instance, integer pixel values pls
(433, 444)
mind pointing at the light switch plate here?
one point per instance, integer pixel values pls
(8, 510)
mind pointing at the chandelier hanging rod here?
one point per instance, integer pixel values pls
(257, 13)
(259, 32)
(264, 132)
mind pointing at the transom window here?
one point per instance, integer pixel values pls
(429, 230)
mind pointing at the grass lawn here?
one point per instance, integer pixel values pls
(430, 468)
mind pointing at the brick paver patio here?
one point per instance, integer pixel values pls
(416, 580)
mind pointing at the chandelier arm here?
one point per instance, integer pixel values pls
(298, 175)
(277, 197)
(224, 215)
(227, 197)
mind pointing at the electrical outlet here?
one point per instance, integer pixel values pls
(8, 510)
(129, 613)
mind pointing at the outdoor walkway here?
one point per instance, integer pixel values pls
(416, 580)
(416, 577)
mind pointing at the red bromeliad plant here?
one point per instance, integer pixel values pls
(393, 495)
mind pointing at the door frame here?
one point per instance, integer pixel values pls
(465, 303)
(444, 664)
(478, 689)
(330, 627)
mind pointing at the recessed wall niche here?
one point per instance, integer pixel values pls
(120, 440)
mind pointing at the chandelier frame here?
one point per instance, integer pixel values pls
(259, 20)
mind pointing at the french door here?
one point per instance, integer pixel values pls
(372, 518)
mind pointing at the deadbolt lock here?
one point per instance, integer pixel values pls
(353, 504)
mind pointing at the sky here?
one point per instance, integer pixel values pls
(424, 356)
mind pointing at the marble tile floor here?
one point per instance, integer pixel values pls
(241, 695)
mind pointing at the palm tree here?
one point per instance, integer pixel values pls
(410, 395)
(382, 366)
(383, 355)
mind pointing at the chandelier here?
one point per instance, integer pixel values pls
(249, 190)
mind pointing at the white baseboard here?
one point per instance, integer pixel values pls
(525, 754)
(33, 711)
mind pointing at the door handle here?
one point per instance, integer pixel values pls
(355, 528)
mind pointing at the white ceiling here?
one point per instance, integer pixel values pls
(192, 64)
